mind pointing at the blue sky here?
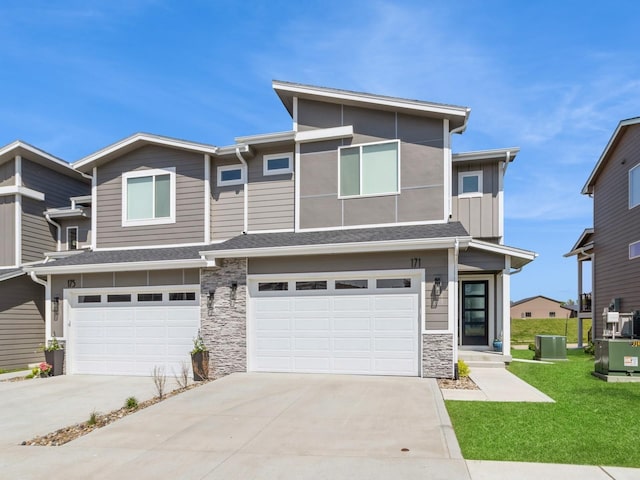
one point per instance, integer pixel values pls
(552, 77)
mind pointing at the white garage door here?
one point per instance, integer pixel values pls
(129, 332)
(362, 324)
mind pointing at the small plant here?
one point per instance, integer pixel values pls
(93, 419)
(182, 377)
(131, 403)
(590, 349)
(532, 347)
(53, 345)
(159, 380)
(198, 345)
(44, 369)
(463, 369)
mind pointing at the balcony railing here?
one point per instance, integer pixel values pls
(585, 302)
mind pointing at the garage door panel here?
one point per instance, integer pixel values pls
(352, 365)
(271, 363)
(273, 324)
(352, 344)
(352, 324)
(394, 302)
(351, 303)
(382, 344)
(406, 324)
(274, 305)
(273, 343)
(312, 364)
(312, 343)
(320, 324)
(310, 304)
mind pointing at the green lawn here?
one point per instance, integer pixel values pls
(591, 423)
(524, 331)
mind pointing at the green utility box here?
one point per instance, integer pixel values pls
(617, 357)
(551, 347)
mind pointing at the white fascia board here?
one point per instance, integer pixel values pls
(117, 267)
(65, 212)
(232, 149)
(623, 124)
(449, 110)
(18, 144)
(503, 249)
(498, 154)
(146, 138)
(20, 190)
(9, 276)
(324, 134)
(81, 199)
(267, 138)
(336, 248)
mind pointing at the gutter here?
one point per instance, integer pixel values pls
(245, 189)
(58, 227)
(33, 276)
(462, 127)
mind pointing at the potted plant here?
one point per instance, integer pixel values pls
(200, 359)
(497, 343)
(54, 356)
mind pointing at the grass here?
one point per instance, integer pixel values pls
(591, 423)
(524, 330)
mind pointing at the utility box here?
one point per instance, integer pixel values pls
(551, 347)
(617, 357)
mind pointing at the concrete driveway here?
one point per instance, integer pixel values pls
(280, 426)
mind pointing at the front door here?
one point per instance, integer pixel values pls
(475, 312)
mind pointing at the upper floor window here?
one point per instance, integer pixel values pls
(148, 197)
(230, 175)
(277, 164)
(634, 186)
(470, 184)
(634, 250)
(72, 238)
(371, 169)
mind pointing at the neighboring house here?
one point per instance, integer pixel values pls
(540, 307)
(354, 243)
(613, 244)
(31, 181)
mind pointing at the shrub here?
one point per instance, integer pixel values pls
(131, 403)
(93, 418)
(463, 369)
(590, 349)
(532, 347)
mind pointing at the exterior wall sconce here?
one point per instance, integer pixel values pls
(233, 293)
(56, 305)
(210, 297)
(437, 287)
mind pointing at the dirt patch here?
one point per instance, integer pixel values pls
(463, 383)
(67, 434)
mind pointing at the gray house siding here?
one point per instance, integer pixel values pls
(189, 225)
(38, 235)
(144, 278)
(478, 261)
(227, 205)
(56, 186)
(271, 197)
(616, 226)
(84, 231)
(7, 173)
(421, 195)
(434, 263)
(8, 229)
(21, 322)
(479, 215)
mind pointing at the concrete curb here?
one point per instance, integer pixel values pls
(449, 434)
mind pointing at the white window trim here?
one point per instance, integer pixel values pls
(75, 227)
(278, 171)
(226, 168)
(171, 171)
(630, 185)
(382, 194)
(631, 245)
(462, 176)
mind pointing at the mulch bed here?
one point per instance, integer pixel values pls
(463, 383)
(67, 434)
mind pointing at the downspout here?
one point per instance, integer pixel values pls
(35, 278)
(449, 173)
(58, 227)
(456, 335)
(246, 190)
(47, 303)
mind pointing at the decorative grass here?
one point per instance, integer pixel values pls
(591, 423)
(524, 330)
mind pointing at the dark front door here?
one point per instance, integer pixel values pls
(475, 312)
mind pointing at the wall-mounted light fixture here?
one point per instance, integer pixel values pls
(233, 293)
(437, 286)
(56, 305)
(210, 298)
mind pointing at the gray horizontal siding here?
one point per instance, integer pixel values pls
(38, 235)
(227, 205)
(478, 261)
(21, 322)
(56, 186)
(8, 229)
(616, 226)
(7, 173)
(189, 225)
(479, 215)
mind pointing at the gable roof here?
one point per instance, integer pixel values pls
(135, 141)
(36, 155)
(584, 243)
(617, 134)
(528, 299)
(457, 115)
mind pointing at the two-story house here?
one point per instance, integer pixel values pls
(354, 243)
(31, 182)
(612, 246)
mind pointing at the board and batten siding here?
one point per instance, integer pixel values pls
(421, 196)
(227, 204)
(271, 197)
(615, 227)
(189, 224)
(8, 173)
(21, 322)
(38, 235)
(8, 230)
(434, 264)
(479, 215)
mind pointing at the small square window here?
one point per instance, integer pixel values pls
(278, 164)
(393, 283)
(527, 314)
(634, 250)
(230, 175)
(552, 314)
(351, 284)
(273, 286)
(470, 184)
(317, 285)
(634, 186)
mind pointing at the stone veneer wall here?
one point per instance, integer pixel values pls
(437, 355)
(224, 327)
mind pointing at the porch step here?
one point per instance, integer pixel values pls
(480, 364)
(484, 358)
